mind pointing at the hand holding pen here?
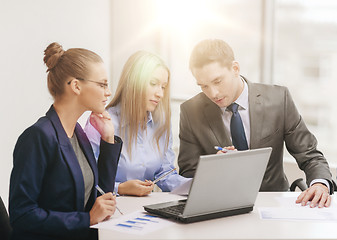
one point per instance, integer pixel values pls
(225, 149)
(103, 208)
(102, 193)
(136, 187)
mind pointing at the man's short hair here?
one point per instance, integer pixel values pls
(211, 50)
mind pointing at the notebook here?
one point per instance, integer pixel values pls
(223, 185)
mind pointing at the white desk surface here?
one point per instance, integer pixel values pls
(244, 226)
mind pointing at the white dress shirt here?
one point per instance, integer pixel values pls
(243, 109)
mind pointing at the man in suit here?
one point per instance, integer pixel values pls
(267, 115)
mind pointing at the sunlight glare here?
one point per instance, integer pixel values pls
(183, 16)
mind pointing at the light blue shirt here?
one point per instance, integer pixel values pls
(145, 162)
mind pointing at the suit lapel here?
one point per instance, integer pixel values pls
(256, 114)
(85, 146)
(69, 157)
(213, 115)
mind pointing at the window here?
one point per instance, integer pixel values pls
(305, 60)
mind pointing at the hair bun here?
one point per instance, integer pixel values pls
(52, 55)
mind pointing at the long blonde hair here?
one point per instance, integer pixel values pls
(131, 96)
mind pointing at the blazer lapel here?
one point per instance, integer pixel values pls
(213, 115)
(256, 114)
(69, 157)
(86, 148)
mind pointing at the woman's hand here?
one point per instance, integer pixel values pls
(104, 207)
(103, 124)
(135, 187)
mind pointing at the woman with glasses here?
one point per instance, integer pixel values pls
(140, 112)
(52, 185)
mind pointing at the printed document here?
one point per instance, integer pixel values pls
(288, 210)
(135, 223)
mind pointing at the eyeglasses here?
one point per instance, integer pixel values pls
(101, 84)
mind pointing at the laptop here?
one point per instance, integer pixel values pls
(223, 185)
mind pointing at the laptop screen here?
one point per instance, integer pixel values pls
(227, 181)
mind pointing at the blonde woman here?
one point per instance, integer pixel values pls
(140, 112)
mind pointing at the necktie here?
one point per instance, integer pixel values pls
(237, 131)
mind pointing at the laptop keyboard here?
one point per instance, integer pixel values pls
(175, 210)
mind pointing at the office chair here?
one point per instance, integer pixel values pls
(300, 183)
(5, 227)
(334, 185)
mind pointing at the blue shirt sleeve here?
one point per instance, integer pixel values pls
(144, 162)
(172, 180)
(94, 137)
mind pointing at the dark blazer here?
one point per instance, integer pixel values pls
(46, 199)
(274, 120)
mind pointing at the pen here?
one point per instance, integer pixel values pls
(164, 175)
(223, 149)
(102, 192)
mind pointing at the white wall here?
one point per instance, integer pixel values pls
(134, 28)
(26, 28)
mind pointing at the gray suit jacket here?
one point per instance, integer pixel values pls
(274, 120)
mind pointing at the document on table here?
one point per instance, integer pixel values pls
(135, 223)
(183, 189)
(289, 210)
(290, 202)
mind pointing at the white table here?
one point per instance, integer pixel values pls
(245, 226)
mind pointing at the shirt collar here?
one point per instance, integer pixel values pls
(149, 119)
(242, 100)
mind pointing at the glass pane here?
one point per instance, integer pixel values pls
(305, 60)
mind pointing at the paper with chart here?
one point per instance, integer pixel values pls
(288, 210)
(135, 223)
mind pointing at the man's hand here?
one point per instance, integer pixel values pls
(226, 149)
(318, 194)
